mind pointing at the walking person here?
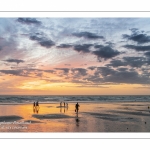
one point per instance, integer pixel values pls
(77, 107)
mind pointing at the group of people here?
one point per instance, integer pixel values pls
(65, 104)
(36, 104)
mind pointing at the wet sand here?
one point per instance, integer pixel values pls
(92, 117)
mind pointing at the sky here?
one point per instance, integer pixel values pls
(74, 56)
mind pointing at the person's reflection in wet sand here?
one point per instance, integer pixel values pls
(34, 109)
(77, 120)
(64, 109)
(60, 110)
(37, 109)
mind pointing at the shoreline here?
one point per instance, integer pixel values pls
(73, 102)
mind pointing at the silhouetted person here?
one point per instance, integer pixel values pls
(34, 104)
(60, 104)
(37, 104)
(64, 104)
(77, 107)
(67, 104)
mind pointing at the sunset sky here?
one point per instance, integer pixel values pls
(74, 56)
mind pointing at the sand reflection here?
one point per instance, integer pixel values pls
(91, 117)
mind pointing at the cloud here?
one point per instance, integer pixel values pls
(140, 38)
(82, 48)
(67, 64)
(14, 61)
(88, 35)
(117, 63)
(12, 72)
(29, 21)
(137, 48)
(104, 71)
(98, 46)
(64, 46)
(65, 70)
(122, 69)
(147, 54)
(80, 71)
(42, 41)
(131, 77)
(135, 61)
(107, 75)
(8, 44)
(106, 52)
(92, 67)
(128, 61)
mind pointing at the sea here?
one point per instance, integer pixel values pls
(72, 98)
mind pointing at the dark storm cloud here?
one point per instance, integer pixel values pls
(29, 21)
(106, 52)
(14, 61)
(82, 48)
(43, 41)
(88, 35)
(138, 48)
(138, 37)
(64, 46)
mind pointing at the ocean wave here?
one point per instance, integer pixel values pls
(53, 99)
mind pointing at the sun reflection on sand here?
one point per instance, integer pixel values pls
(92, 117)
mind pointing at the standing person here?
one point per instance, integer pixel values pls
(67, 104)
(60, 104)
(37, 103)
(77, 107)
(34, 104)
(64, 104)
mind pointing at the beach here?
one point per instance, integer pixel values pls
(92, 117)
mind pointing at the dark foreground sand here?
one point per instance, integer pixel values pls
(92, 117)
